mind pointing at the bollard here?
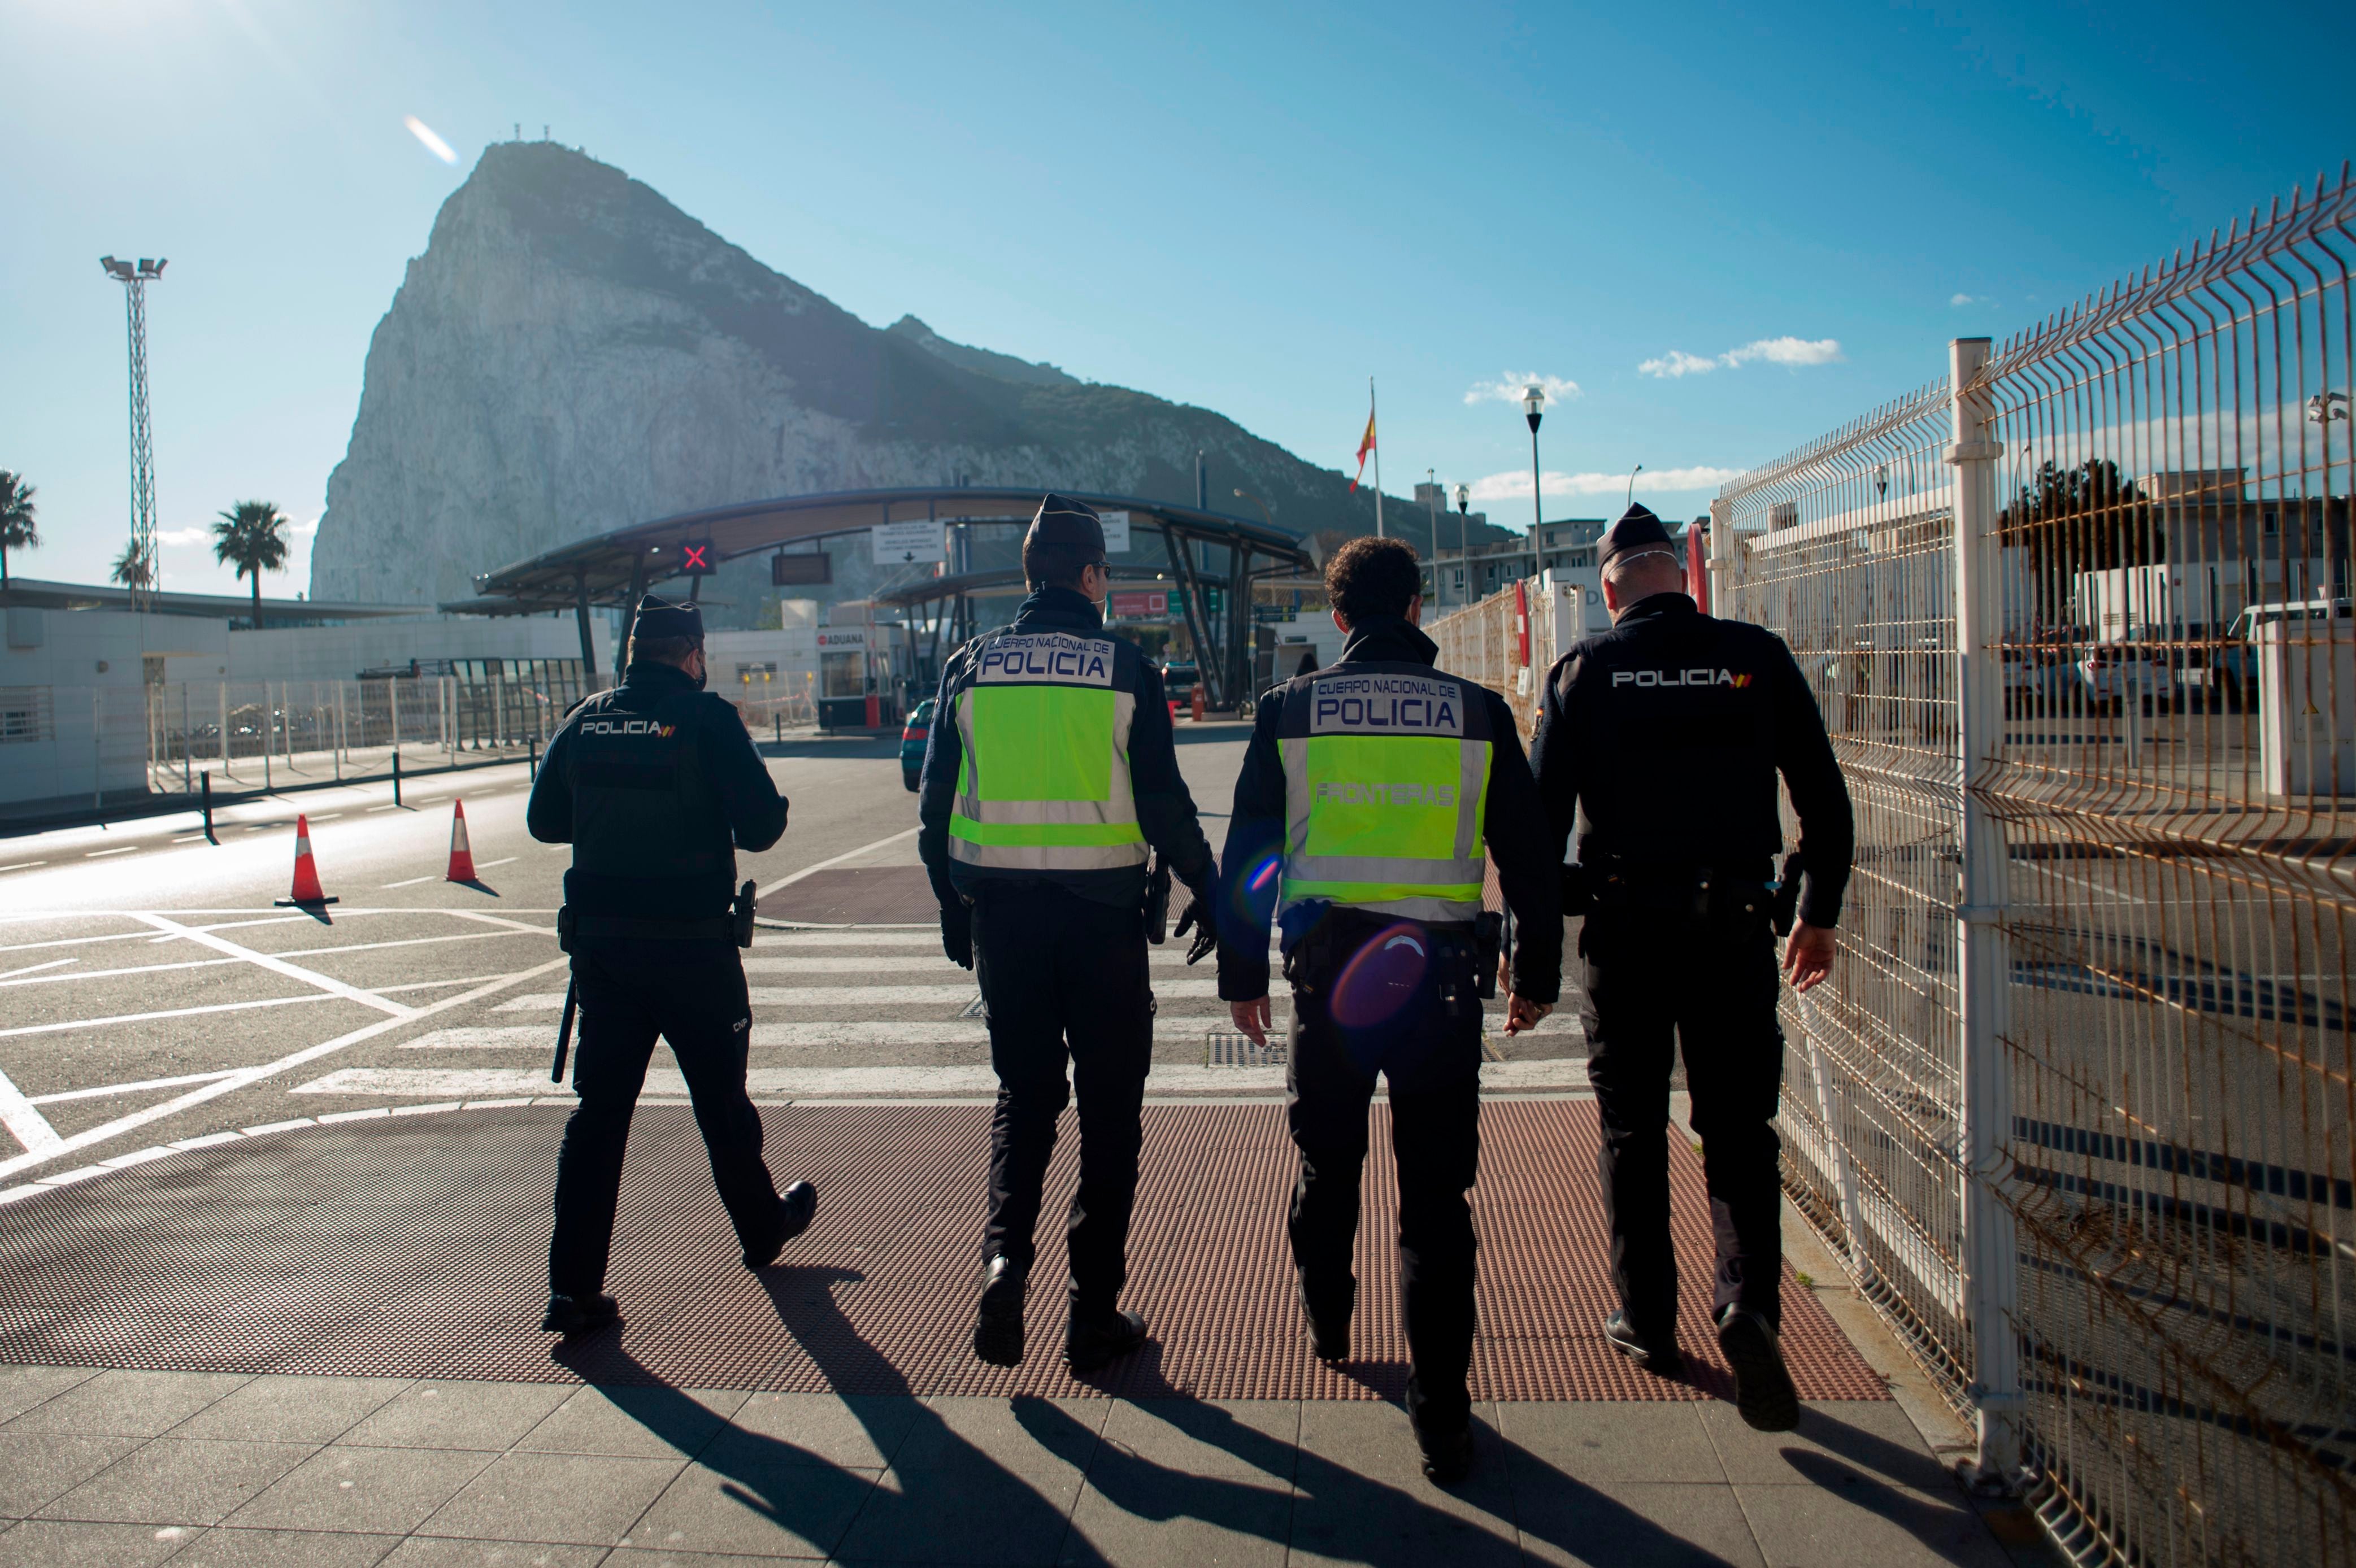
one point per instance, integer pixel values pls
(208, 776)
(777, 728)
(396, 775)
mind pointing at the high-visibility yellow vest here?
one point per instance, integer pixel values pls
(1385, 779)
(1045, 781)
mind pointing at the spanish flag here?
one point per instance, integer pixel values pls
(1365, 445)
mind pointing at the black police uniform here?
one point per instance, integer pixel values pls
(654, 783)
(1661, 739)
(1060, 956)
(1428, 1046)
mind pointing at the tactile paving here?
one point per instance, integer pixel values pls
(417, 1248)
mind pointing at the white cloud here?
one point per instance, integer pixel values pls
(1959, 301)
(1676, 363)
(1517, 487)
(184, 535)
(1508, 388)
(1787, 351)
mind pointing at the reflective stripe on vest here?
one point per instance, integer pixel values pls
(1044, 783)
(1385, 780)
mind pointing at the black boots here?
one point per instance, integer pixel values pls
(570, 1314)
(997, 1322)
(1763, 1394)
(1092, 1341)
(1447, 1456)
(796, 1207)
(1656, 1353)
(1328, 1318)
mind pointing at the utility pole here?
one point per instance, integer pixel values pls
(134, 279)
(1431, 504)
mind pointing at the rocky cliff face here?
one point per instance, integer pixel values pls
(572, 354)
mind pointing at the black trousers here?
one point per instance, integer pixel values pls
(1377, 996)
(1059, 972)
(693, 994)
(1651, 979)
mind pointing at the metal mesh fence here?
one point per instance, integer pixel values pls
(2077, 1104)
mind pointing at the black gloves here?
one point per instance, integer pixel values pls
(1199, 919)
(957, 934)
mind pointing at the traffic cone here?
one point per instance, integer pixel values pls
(307, 892)
(462, 856)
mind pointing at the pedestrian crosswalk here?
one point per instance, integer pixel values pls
(878, 1010)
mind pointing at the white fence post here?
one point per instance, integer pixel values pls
(1984, 974)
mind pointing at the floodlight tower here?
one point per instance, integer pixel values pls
(135, 277)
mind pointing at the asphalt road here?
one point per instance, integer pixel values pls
(150, 993)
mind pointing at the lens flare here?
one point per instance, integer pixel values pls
(1382, 977)
(434, 144)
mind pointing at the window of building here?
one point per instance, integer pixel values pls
(24, 714)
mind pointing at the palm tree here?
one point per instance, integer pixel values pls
(133, 569)
(253, 534)
(16, 529)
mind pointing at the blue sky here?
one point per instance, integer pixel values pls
(1251, 208)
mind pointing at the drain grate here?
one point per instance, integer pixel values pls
(1225, 1048)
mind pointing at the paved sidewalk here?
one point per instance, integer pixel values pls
(147, 1467)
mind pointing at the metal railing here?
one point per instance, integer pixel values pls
(2076, 1107)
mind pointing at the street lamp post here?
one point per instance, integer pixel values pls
(1432, 506)
(1464, 550)
(1631, 483)
(1533, 405)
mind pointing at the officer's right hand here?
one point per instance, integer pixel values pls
(1808, 955)
(957, 936)
(1255, 1019)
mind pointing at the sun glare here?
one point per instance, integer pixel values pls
(434, 144)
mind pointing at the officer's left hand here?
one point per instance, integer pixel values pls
(1522, 1015)
(1197, 919)
(1808, 955)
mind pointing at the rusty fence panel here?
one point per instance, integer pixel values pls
(2077, 1105)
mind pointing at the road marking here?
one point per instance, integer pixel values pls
(847, 939)
(374, 809)
(477, 1036)
(330, 817)
(107, 974)
(246, 1075)
(105, 1089)
(487, 865)
(278, 966)
(102, 854)
(937, 964)
(191, 838)
(167, 1013)
(803, 997)
(515, 928)
(24, 866)
(435, 985)
(871, 1031)
(27, 1125)
(838, 860)
(32, 968)
(409, 884)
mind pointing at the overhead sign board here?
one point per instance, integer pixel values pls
(788, 570)
(1115, 531)
(842, 639)
(905, 544)
(1144, 604)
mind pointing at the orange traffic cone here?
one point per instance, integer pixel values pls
(306, 891)
(461, 855)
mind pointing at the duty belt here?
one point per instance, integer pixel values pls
(720, 928)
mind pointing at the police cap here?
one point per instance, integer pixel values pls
(659, 619)
(1061, 521)
(1636, 531)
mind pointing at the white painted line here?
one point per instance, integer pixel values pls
(247, 1075)
(532, 1037)
(139, 1157)
(427, 1110)
(165, 1013)
(937, 965)
(102, 854)
(436, 984)
(24, 866)
(846, 939)
(955, 1031)
(109, 974)
(103, 1090)
(18, 1194)
(512, 928)
(27, 1125)
(355, 1115)
(35, 968)
(268, 1127)
(409, 884)
(330, 817)
(487, 865)
(374, 809)
(191, 838)
(278, 966)
(68, 1177)
(838, 860)
(206, 1140)
(79, 941)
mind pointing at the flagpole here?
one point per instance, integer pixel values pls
(1379, 457)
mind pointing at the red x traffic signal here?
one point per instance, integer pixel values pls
(696, 560)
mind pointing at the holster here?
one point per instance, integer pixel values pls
(1787, 893)
(1156, 908)
(1578, 891)
(741, 913)
(567, 924)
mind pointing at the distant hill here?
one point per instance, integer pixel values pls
(572, 354)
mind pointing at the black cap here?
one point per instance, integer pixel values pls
(1638, 530)
(1062, 521)
(659, 618)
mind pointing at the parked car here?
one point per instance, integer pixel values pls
(1178, 681)
(913, 736)
(2236, 672)
(2115, 674)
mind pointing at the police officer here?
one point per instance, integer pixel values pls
(1665, 735)
(1369, 789)
(1051, 769)
(650, 782)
